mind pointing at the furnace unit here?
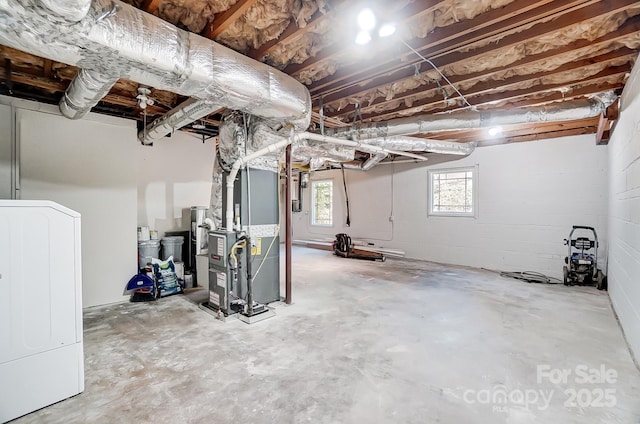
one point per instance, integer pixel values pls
(256, 209)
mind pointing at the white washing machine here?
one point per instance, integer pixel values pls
(41, 350)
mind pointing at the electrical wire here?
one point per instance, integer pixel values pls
(531, 277)
(433, 65)
(346, 196)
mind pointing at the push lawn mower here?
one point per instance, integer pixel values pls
(581, 265)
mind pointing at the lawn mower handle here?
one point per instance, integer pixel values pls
(577, 227)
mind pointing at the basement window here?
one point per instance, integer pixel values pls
(453, 192)
(322, 210)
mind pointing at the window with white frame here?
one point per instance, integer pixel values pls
(322, 202)
(452, 192)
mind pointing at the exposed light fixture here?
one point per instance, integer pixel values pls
(493, 131)
(366, 20)
(143, 98)
(363, 37)
(387, 29)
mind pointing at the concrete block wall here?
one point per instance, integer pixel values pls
(624, 213)
(530, 194)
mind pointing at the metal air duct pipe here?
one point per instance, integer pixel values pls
(71, 10)
(187, 112)
(368, 164)
(119, 41)
(84, 92)
(416, 144)
(579, 109)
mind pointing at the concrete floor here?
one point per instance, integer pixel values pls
(394, 342)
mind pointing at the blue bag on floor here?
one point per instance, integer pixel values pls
(166, 278)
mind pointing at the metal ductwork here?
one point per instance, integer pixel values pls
(579, 109)
(117, 40)
(368, 164)
(187, 112)
(416, 144)
(84, 92)
(70, 10)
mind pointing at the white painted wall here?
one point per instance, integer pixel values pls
(5, 152)
(174, 174)
(89, 166)
(530, 194)
(624, 213)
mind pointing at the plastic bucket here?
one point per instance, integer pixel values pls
(146, 250)
(172, 246)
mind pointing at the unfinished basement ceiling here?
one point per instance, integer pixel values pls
(499, 54)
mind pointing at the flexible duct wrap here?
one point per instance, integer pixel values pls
(121, 41)
(578, 109)
(189, 111)
(72, 10)
(415, 144)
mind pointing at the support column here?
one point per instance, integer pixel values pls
(288, 229)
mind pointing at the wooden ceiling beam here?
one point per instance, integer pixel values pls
(630, 28)
(330, 52)
(557, 96)
(348, 76)
(223, 20)
(445, 39)
(151, 6)
(34, 80)
(513, 130)
(490, 85)
(55, 86)
(540, 136)
(46, 71)
(617, 71)
(604, 123)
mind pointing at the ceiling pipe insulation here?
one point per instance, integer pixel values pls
(109, 39)
(188, 111)
(460, 120)
(114, 40)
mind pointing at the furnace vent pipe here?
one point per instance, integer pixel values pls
(120, 41)
(574, 110)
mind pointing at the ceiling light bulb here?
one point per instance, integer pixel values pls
(363, 37)
(387, 30)
(366, 20)
(495, 131)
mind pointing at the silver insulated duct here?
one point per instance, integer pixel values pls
(116, 40)
(422, 124)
